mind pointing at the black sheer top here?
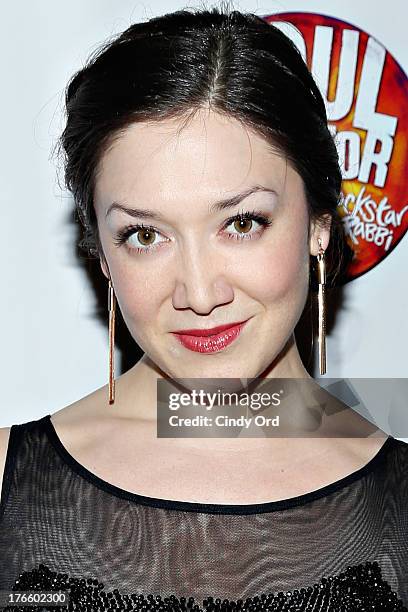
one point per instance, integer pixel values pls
(343, 547)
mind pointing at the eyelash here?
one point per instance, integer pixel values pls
(122, 235)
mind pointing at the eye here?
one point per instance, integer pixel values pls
(243, 223)
(141, 238)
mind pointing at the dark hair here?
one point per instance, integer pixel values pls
(173, 65)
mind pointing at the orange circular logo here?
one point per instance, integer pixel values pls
(366, 95)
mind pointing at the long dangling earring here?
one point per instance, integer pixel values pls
(321, 275)
(111, 308)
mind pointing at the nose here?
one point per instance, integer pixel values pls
(201, 282)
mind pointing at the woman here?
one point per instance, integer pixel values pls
(207, 182)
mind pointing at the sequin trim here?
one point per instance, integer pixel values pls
(358, 588)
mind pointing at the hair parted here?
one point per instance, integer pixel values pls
(233, 63)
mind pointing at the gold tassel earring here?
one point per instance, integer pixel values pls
(321, 275)
(111, 308)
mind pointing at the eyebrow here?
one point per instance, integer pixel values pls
(215, 207)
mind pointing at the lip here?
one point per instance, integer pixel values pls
(209, 331)
(206, 341)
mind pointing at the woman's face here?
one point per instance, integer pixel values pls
(197, 268)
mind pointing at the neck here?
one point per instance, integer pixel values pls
(136, 389)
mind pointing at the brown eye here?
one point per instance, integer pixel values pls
(139, 238)
(242, 224)
(146, 236)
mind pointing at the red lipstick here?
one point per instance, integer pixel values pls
(209, 340)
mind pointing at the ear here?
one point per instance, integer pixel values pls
(319, 229)
(104, 266)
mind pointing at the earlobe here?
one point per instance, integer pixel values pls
(319, 230)
(104, 267)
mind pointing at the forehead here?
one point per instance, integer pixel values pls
(209, 155)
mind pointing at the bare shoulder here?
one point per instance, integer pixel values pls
(87, 424)
(359, 451)
(4, 440)
(79, 411)
(92, 420)
(78, 422)
(358, 441)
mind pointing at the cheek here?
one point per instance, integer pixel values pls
(138, 297)
(287, 273)
(277, 272)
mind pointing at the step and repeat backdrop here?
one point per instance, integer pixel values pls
(54, 337)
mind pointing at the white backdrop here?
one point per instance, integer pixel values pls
(54, 349)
